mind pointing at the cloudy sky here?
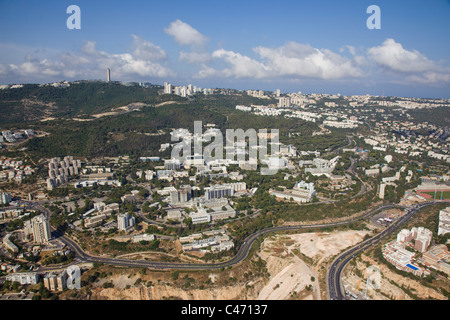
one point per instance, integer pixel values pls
(320, 46)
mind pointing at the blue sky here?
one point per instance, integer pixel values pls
(310, 46)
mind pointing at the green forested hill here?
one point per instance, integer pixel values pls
(138, 133)
(34, 102)
(135, 133)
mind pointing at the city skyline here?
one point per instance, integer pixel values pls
(320, 47)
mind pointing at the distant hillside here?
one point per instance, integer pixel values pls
(34, 102)
(439, 116)
(140, 132)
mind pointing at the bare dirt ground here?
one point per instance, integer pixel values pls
(391, 286)
(294, 262)
(295, 267)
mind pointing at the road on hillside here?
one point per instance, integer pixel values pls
(239, 257)
(334, 285)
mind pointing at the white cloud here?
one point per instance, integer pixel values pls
(184, 34)
(241, 66)
(431, 77)
(91, 63)
(292, 60)
(195, 57)
(146, 50)
(300, 60)
(393, 56)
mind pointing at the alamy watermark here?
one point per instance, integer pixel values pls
(374, 21)
(234, 149)
(373, 278)
(73, 277)
(74, 20)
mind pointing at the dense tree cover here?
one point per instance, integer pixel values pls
(82, 98)
(133, 134)
(136, 133)
(142, 133)
(133, 247)
(439, 116)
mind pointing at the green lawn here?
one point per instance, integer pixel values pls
(445, 195)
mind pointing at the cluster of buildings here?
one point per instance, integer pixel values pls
(387, 137)
(386, 181)
(258, 94)
(412, 252)
(349, 112)
(288, 107)
(185, 91)
(319, 166)
(10, 213)
(38, 227)
(224, 190)
(301, 193)
(99, 213)
(212, 211)
(97, 175)
(59, 170)
(412, 103)
(234, 153)
(53, 281)
(211, 207)
(344, 124)
(14, 170)
(214, 241)
(13, 137)
(422, 238)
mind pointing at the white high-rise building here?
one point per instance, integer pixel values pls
(404, 236)
(444, 221)
(167, 88)
(125, 221)
(108, 75)
(41, 229)
(284, 102)
(5, 198)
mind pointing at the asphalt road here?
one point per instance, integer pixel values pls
(333, 275)
(239, 257)
(335, 289)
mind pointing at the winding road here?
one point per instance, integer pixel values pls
(239, 257)
(334, 285)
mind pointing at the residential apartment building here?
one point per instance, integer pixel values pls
(41, 229)
(125, 221)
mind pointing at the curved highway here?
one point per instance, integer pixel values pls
(240, 256)
(334, 285)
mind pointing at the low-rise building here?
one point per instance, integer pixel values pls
(200, 217)
(174, 214)
(23, 278)
(144, 237)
